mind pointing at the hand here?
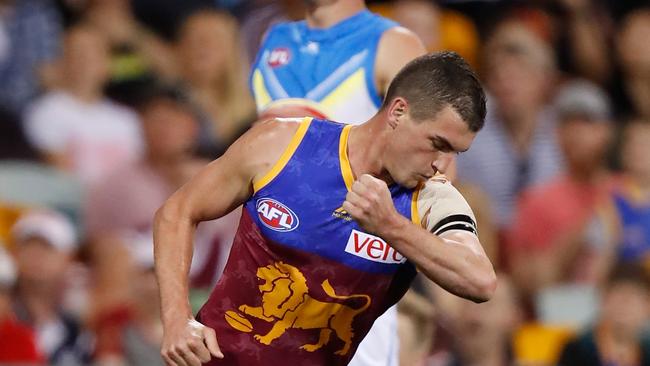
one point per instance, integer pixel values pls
(189, 344)
(369, 202)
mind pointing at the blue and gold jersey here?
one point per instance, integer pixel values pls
(304, 283)
(333, 67)
(633, 213)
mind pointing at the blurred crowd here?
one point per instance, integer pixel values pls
(108, 106)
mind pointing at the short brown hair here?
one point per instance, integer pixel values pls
(436, 80)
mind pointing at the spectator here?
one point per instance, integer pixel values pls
(18, 344)
(123, 204)
(439, 28)
(633, 90)
(632, 198)
(616, 338)
(30, 32)
(583, 29)
(76, 127)
(45, 242)
(135, 51)
(518, 146)
(131, 334)
(210, 58)
(482, 333)
(552, 239)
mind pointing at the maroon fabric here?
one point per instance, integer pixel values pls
(316, 312)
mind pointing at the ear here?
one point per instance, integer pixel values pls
(397, 109)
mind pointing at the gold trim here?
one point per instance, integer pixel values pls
(286, 155)
(415, 214)
(346, 169)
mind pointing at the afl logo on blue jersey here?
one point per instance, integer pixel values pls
(279, 57)
(276, 216)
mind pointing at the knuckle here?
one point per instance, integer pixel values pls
(178, 349)
(204, 358)
(192, 343)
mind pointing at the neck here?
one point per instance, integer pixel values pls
(619, 336)
(587, 175)
(86, 93)
(365, 147)
(489, 355)
(521, 128)
(39, 301)
(325, 16)
(643, 183)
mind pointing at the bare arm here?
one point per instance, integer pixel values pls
(220, 187)
(397, 47)
(454, 259)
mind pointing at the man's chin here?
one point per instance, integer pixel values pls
(410, 183)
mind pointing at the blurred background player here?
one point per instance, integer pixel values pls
(343, 58)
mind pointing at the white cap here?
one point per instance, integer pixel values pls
(51, 226)
(583, 98)
(7, 268)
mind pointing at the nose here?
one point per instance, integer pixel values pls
(442, 162)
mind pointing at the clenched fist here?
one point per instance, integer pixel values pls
(189, 344)
(369, 202)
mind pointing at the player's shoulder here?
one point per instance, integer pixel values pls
(402, 38)
(397, 46)
(277, 129)
(264, 143)
(284, 27)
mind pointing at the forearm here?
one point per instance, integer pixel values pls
(457, 268)
(173, 238)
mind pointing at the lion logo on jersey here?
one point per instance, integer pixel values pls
(286, 303)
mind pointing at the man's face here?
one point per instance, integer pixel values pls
(625, 307)
(169, 129)
(38, 261)
(584, 143)
(418, 150)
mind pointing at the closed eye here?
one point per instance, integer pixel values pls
(441, 144)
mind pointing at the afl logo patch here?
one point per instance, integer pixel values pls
(279, 57)
(276, 216)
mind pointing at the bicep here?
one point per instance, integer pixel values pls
(216, 190)
(227, 182)
(464, 238)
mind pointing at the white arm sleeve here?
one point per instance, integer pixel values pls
(442, 208)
